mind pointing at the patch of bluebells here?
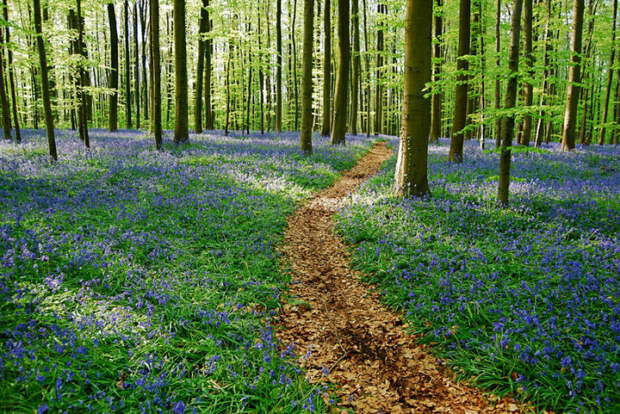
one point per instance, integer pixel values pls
(525, 299)
(139, 281)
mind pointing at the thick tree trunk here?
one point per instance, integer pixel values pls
(610, 76)
(574, 78)
(410, 177)
(113, 73)
(437, 92)
(181, 133)
(155, 75)
(306, 87)
(339, 128)
(202, 46)
(528, 89)
(460, 104)
(327, 70)
(47, 107)
(127, 70)
(355, 21)
(278, 66)
(508, 122)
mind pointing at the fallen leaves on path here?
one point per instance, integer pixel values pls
(345, 336)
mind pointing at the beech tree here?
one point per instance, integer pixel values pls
(306, 85)
(181, 130)
(339, 128)
(574, 77)
(410, 177)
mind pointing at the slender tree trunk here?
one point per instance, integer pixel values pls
(528, 88)
(410, 177)
(368, 84)
(113, 73)
(574, 78)
(155, 75)
(508, 122)
(202, 46)
(261, 78)
(4, 101)
(342, 81)
(145, 87)
(49, 120)
(209, 119)
(381, 9)
(437, 90)
(327, 69)
(278, 66)
(482, 104)
(306, 87)
(587, 91)
(295, 87)
(498, 93)
(82, 95)
(355, 21)
(127, 70)
(137, 64)
(181, 133)
(460, 104)
(610, 75)
(228, 89)
(546, 74)
(11, 74)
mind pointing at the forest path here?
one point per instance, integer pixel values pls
(376, 366)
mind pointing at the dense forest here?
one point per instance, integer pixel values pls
(267, 66)
(309, 206)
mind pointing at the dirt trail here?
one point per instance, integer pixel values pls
(354, 341)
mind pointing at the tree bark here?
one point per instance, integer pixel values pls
(327, 70)
(278, 66)
(82, 94)
(155, 74)
(137, 64)
(574, 77)
(295, 88)
(355, 21)
(228, 89)
(381, 9)
(4, 101)
(202, 46)
(47, 107)
(127, 70)
(460, 105)
(11, 74)
(546, 74)
(498, 93)
(113, 73)
(209, 119)
(306, 87)
(437, 92)
(528, 89)
(610, 75)
(181, 133)
(410, 176)
(339, 128)
(508, 122)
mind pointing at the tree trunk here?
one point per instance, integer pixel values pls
(498, 93)
(209, 120)
(113, 73)
(155, 75)
(49, 120)
(342, 80)
(306, 86)
(82, 95)
(610, 75)
(202, 46)
(508, 122)
(460, 104)
(355, 21)
(437, 92)
(587, 91)
(381, 9)
(278, 66)
(574, 77)
(528, 89)
(295, 88)
(261, 78)
(127, 70)
(368, 88)
(181, 133)
(410, 177)
(546, 74)
(481, 98)
(327, 70)
(4, 101)
(145, 87)
(11, 74)
(228, 89)
(137, 64)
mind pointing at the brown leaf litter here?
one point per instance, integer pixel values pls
(345, 336)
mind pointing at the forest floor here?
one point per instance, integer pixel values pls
(351, 339)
